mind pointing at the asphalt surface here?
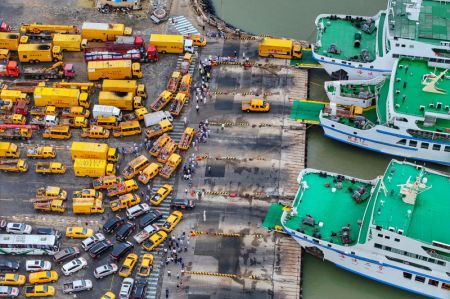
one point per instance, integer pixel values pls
(243, 256)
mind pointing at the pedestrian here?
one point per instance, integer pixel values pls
(186, 191)
(182, 267)
(185, 121)
(185, 248)
(182, 272)
(197, 108)
(235, 53)
(167, 293)
(149, 188)
(178, 275)
(222, 126)
(169, 274)
(209, 170)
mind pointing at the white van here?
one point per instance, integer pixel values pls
(137, 210)
(154, 118)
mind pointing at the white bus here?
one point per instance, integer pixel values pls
(28, 244)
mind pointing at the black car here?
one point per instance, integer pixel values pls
(149, 218)
(120, 250)
(182, 203)
(140, 287)
(112, 224)
(125, 230)
(7, 265)
(47, 231)
(100, 248)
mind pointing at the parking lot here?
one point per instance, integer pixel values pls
(247, 158)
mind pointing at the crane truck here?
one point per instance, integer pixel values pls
(58, 70)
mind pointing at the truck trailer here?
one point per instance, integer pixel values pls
(102, 32)
(60, 97)
(113, 69)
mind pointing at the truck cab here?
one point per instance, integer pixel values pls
(197, 39)
(136, 70)
(255, 105)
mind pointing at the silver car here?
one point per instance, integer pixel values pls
(125, 289)
(18, 228)
(74, 265)
(105, 270)
(91, 241)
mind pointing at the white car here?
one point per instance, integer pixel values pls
(91, 241)
(125, 289)
(9, 292)
(74, 265)
(105, 270)
(18, 228)
(38, 265)
(137, 210)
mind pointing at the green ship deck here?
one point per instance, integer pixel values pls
(342, 34)
(434, 23)
(307, 60)
(411, 99)
(427, 220)
(334, 210)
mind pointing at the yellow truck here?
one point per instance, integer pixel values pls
(93, 168)
(14, 95)
(104, 182)
(57, 132)
(124, 201)
(75, 111)
(177, 104)
(134, 166)
(68, 42)
(9, 40)
(87, 193)
(12, 119)
(51, 168)
(51, 192)
(119, 99)
(159, 129)
(15, 133)
(255, 105)
(75, 122)
(171, 43)
(87, 206)
(34, 53)
(60, 97)
(41, 152)
(186, 138)
(95, 132)
(197, 39)
(89, 150)
(113, 69)
(185, 84)
(13, 165)
(53, 205)
(159, 144)
(102, 32)
(9, 150)
(125, 86)
(122, 188)
(174, 82)
(149, 173)
(127, 128)
(161, 101)
(280, 48)
(47, 28)
(170, 166)
(166, 151)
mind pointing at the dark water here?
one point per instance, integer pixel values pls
(295, 19)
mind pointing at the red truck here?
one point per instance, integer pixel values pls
(4, 27)
(10, 69)
(127, 47)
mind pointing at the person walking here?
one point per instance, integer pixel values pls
(197, 108)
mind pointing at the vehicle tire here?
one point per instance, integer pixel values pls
(248, 110)
(164, 52)
(270, 56)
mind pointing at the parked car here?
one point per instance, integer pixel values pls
(18, 228)
(3, 224)
(8, 265)
(74, 265)
(9, 292)
(125, 230)
(41, 277)
(87, 243)
(78, 232)
(77, 286)
(47, 231)
(120, 250)
(105, 270)
(100, 248)
(137, 210)
(152, 216)
(112, 224)
(126, 288)
(38, 265)
(139, 290)
(65, 254)
(108, 295)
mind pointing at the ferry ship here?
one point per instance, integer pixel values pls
(393, 229)
(406, 114)
(356, 47)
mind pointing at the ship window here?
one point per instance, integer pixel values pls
(371, 66)
(446, 286)
(356, 133)
(436, 147)
(402, 142)
(329, 245)
(411, 46)
(442, 264)
(395, 55)
(378, 246)
(432, 261)
(424, 145)
(419, 278)
(413, 143)
(403, 45)
(407, 275)
(397, 240)
(433, 282)
(380, 235)
(397, 45)
(387, 248)
(447, 149)
(360, 65)
(387, 237)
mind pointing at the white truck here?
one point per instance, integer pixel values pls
(154, 118)
(145, 233)
(104, 110)
(77, 286)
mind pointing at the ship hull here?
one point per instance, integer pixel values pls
(387, 141)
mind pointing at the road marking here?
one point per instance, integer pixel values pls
(6, 199)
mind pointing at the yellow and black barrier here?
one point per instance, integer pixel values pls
(195, 233)
(217, 193)
(211, 274)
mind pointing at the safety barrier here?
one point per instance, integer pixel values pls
(195, 233)
(217, 193)
(243, 93)
(211, 274)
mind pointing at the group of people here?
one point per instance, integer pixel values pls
(201, 136)
(173, 250)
